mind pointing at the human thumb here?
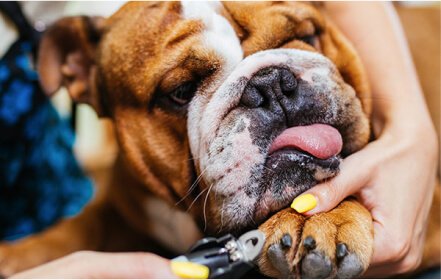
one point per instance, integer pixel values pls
(325, 196)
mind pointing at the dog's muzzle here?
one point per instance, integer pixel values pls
(268, 131)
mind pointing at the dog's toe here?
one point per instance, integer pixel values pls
(350, 266)
(282, 232)
(277, 256)
(315, 265)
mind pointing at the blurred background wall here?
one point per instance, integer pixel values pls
(421, 22)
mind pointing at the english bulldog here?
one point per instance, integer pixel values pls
(224, 113)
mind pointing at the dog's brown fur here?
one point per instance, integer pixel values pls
(347, 223)
(116, 64)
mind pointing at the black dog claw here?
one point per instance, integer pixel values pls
(309, 243)
(342, 250)
(286, 241)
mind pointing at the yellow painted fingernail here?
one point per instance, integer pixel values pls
(190, 270)
(304, 203)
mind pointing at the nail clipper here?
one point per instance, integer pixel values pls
(227, 257)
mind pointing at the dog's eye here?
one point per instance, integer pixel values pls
(176, 100)
(309, 39)
(183, 94)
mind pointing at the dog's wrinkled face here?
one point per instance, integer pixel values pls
(249, 103)
(266, 133)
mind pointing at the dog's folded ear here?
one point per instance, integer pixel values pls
(67, 56)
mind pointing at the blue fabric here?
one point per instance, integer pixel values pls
(40, 180)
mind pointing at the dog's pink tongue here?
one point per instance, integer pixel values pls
(320, 140)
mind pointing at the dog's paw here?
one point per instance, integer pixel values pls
(330, 248)
(337, 244)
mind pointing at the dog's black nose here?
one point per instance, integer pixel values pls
(277, 92)
(268, 84)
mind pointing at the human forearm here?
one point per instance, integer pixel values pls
(383, 49)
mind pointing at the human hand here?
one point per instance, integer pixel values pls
(87, 264)
(394, 178)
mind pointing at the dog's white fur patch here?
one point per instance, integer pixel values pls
(218, 35)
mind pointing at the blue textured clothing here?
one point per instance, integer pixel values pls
(40, 180)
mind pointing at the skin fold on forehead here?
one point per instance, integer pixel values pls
(218, 34)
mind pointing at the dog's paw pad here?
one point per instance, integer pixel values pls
(315, 265)
(277, 256)
(350, 266)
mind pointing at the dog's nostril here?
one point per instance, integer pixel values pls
(288, 82)
(268, 85)
(251, 97)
